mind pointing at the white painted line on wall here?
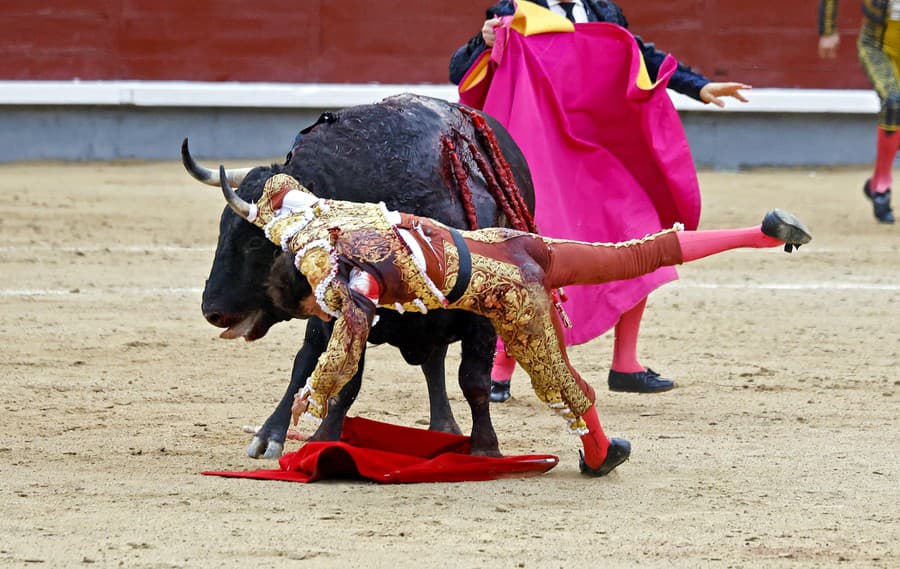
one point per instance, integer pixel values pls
(340, 95)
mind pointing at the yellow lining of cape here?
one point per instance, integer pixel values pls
(477, 73)
(531, 19)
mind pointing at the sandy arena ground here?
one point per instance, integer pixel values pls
(778, 449)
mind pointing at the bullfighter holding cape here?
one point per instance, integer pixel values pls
(351, 258)
(605, 146)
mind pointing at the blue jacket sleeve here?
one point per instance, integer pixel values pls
(685, 80)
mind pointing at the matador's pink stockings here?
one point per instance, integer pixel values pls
(625, 358)
(694, 245)
(504, 365)
(698, 244)
(885, 152)
(596, 444)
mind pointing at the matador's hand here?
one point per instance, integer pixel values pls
(301, 404)
(828, 46)
(711, 92)
(487, 31)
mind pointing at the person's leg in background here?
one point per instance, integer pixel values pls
(626, 372)
(880, 62)
(501, 373)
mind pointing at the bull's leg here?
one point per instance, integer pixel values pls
(333, 424)
(477, 353)
(268, 442)
(435, 377)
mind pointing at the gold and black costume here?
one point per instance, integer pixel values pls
(878, 48)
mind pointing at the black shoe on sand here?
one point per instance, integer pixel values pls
(619, 451)
(881, 203)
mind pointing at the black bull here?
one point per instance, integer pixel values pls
(416, 154)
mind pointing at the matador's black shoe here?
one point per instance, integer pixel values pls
(785, 227)
(881, 203)
(619, 451)
(499, 391)
(647, 381)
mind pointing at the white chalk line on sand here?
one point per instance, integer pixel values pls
(156, 248)
(188, 291)
(789, 286)
(94, 292)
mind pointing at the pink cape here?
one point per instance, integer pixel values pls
(609, 159)
(391, 454)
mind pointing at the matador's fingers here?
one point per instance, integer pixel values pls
(299, 407)
(737, 92)
(828, 46)
(712, 92)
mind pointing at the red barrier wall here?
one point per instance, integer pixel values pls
(768, 43)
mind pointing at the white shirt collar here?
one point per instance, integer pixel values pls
(579, 12)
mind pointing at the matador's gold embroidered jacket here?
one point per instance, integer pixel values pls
(413, 263)
(330, 238)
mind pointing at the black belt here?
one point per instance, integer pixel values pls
(465, 267)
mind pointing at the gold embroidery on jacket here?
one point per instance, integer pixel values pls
(368, 245)
(492, 234)
(340, 360)
(522, 315)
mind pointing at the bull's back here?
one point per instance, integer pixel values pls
(396, 152)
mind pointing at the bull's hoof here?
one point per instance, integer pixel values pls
(445, 427)
(499, 391)
(265, 449)
(274, 450)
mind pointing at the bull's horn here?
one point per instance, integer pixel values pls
(239, 206)
(235, 176)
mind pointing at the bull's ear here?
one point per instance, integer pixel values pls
(240, 207)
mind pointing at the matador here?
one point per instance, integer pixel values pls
(351, 258)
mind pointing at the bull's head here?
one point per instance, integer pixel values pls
(288, 288)
(233, 296)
